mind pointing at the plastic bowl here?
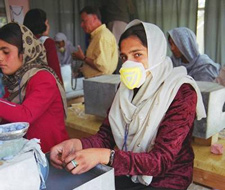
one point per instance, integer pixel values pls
(12, 131)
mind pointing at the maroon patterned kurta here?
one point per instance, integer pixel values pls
(170, 162)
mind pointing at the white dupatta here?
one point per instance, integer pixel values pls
(144, 113)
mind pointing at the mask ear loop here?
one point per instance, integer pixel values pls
(151, 68)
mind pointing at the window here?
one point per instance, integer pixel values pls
(200, 25)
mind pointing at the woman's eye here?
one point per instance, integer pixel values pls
(6, 52)
(137, 55)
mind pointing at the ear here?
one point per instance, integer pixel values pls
(21, 57)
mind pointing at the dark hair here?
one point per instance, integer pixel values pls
(136, 30)
(35, 21)
(12, 34)
(91, 10)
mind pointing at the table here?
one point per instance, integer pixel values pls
(100, 177)
(81, 124)
(209, 169)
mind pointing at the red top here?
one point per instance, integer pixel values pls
(52, 56)
(170, 162)
(42, 108)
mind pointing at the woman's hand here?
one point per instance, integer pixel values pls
(60, 152)
(86, 159)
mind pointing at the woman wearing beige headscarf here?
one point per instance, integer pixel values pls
(150, 121)
(35, 93)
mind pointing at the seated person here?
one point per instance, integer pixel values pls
(185, 51)
(68, 65)
(64, 49)
(147, 134)
(35, 93)
(36, 20)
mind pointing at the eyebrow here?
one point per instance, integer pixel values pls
(3, 48)
(133, 51)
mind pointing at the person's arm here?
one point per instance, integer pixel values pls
(79, 55)
(87, 152)
(173, 130)
(102, 139)
(206, 72)
(52, 57)
(41, 91)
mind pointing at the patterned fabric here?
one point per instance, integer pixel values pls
(200, 67)
(103, 50)
(34, 60)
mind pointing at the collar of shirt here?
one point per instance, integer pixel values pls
(97, 30)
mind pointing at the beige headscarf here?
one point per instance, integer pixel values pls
(144, 113)
(34, 60)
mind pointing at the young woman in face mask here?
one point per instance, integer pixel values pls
(150, 120)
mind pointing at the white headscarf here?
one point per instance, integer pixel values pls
(144, 113)
(60, 37)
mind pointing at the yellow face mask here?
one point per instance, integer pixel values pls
(62, 49)
(132, 74)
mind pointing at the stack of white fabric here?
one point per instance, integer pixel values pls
(24, 170)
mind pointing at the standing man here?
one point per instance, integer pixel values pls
(102, 53)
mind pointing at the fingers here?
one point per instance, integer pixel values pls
(62, 154)
(79, 48)
(68, 148)
(81, 53)
(55, 157)
(71, 165)
(57, 165)
(75, 167)
(58, 154)
(73, 55)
